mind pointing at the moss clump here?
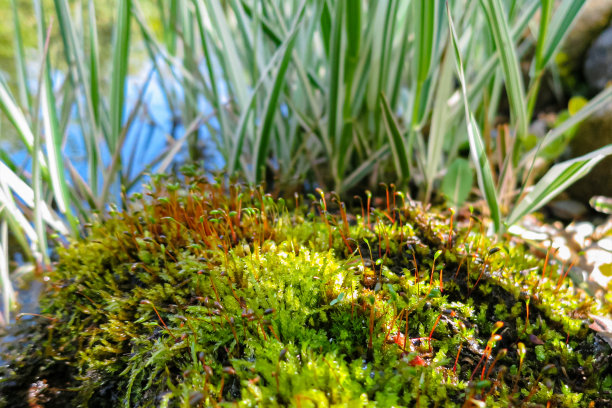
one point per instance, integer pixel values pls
(203, 295)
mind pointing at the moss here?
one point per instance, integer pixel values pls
(205, 295)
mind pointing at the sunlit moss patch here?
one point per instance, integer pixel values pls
(207, 295)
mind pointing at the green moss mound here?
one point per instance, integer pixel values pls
(207, 295)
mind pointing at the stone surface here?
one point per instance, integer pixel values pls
(593, 18)
(598, 63)
(595, 132)
(567, 209)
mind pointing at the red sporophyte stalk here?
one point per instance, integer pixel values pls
(363, 219)
(214, 289)
(484, 265)
(397, 317)
(406, 332)
(324, 213)
(487, 352)
(562, 278)
(450, 229)
(502, 353)
(457, 358)
(522, 351)
(433, 265)
(432, 330)
(369, 195)
(371, 328)
(526, 314)
(147, 302)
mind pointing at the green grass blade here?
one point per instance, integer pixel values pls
(121, 47)
(20, 61)
(229, 53)
(488, 69)
(477, 150)
(54, 146)
(457, 182)
(240, 134)
(39, 223)
(425, 32)
(504, 43)
(439, 121)
(547, 6)
(364, 169)
(556, 180)
(94, 69)
(17, 119)
(336, 79)
(271, 105)
(8, 293)
(7, 203)
(559, 26)
(396, 141)
(26, 194)
(73, 53)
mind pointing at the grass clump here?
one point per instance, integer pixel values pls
(208, 295)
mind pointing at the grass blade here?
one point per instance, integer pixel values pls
(425, 32)
(498, 26)
(397, 143)
(457, 182)
(271, 106)
(556, 180)
(54, 144)
(364, 169)
(559, 26)
(477, 150)
(94, 69)
(20, 60)
(439, 121)
(8, 294)
(229, 55)
(19, 122)
(119, 72)
(335, 105)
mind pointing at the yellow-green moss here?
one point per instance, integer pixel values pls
(205, 295)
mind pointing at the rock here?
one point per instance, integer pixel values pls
(567, 209)
(598, 63)
(595, 132)
(593, 18)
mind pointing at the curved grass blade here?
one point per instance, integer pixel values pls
(556, 180)
(19, 122)
(477, 150)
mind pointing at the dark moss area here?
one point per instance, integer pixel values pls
(203, 295)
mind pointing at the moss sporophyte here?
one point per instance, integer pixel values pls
(204, 294)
